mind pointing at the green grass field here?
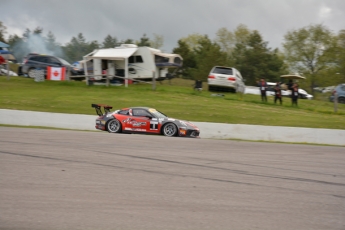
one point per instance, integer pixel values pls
(177, 99)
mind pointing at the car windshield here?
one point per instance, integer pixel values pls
(63, 61)
(222, 70)
(157, 114)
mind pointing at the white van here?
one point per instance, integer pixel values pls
(225, 78)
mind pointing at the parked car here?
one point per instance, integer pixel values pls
(270, 91)
(19, 71)
(42, 62)
(225, 79)
(142, 120)
(340, 90)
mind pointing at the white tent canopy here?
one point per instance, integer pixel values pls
(292, 76)
(113, 54)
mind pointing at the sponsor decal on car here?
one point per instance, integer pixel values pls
(133, 122)
(153, 125)
(183, 132)
(126, 120)
(138, 124)
(140, 130)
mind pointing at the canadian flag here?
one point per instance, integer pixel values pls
(56, 73)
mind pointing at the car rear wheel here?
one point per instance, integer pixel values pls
(114, 126)
(31, 73)
(170, 130)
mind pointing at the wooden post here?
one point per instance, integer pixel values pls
(8, 72)
(335, 102)
(68, 74)
(126, 72)
(153, 80)
(107, 80)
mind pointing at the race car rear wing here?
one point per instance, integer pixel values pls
(98, 108)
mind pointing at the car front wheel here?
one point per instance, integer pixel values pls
(114, 126)
(169, 130)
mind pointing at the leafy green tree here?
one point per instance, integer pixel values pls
(242, 34)
(92, 46)
(309, 51)
(157, 41)
(189, 63)
(207, 55)
(144, 41)
(340, 58)
(192, 40)
(38, 30)
(76, 48)
(51, 42)
(109, 42)
(2, 32)
(226, 40)
(17, 47)
(26, 34)
(127, 41)
(255, 60)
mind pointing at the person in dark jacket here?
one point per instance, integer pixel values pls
(294, 95)
(263, 87)
(277, 93)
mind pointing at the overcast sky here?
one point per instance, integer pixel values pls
(173, 19)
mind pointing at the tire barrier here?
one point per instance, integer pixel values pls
(38, 74)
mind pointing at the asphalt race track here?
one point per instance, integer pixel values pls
(57, 179)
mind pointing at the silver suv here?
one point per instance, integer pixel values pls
(225, 78)
(340, 89)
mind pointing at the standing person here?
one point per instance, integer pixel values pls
(263, 87)
(277, 93)
(294, 95)
(2, 61)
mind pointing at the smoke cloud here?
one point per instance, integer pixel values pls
(36, 43)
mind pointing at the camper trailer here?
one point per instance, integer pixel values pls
(131, 62)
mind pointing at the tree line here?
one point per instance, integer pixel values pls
(313, 51)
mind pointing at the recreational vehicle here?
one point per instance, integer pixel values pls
(131, 62)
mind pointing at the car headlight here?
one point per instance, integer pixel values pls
(183, 123)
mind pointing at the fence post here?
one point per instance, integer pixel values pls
(8, 69)
(68, 73)
(153, 80)
(335, 102)
(107, 80)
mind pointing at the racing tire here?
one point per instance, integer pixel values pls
(169, 130)
(114, 126)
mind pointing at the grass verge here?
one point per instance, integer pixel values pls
(177, 99)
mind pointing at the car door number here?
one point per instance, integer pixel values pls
(153, 125)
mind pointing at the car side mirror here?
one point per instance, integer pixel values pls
(149, 117)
